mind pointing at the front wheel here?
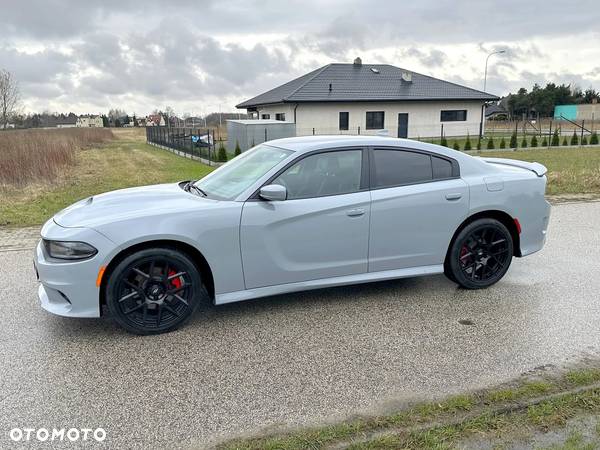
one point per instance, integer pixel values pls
(154, 291)
(481, 254)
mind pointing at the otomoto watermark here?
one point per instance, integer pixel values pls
(57, 434)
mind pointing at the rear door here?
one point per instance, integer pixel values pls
(320, 231)
(418, 201)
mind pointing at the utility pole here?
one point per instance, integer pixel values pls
(484, 88)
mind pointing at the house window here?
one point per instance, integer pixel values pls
(453, 115)
(280, 116)
(344, 119)
(375, 120)
(265, 116)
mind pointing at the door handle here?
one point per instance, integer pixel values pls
(355, 212)
(454, 196)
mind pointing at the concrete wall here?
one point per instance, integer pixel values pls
(423, 117)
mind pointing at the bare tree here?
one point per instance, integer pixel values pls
(9, 97)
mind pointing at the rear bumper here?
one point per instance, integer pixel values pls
(535, 232)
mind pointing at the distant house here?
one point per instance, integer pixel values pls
(62, 121)
(372, 99)
(155, 120)
(495, 112)
(89, 121)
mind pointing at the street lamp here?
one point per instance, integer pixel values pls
(497, 52)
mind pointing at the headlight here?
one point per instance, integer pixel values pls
(69, 250)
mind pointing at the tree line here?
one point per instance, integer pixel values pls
(542, 100)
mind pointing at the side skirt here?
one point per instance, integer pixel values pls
(266, 291)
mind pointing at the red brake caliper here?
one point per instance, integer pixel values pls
(463, 251)
(176, 282)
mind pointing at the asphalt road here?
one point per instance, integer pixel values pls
(296, 359)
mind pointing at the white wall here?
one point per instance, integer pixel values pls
(423, 117)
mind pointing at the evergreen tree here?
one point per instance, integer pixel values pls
(565, 142)
(524, 142)
(478, 144)
(444, 142)
(455, 146)
(502, 143)
(513, 140)
(584, 140)
(544, 142)
(534, 141)
(574, 139)
(555, 139)
(490, 143)
(594, 138)
(222, 154)
(468, 143)
(238, 150)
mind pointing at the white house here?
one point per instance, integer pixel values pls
(89, 121)
(372, 99)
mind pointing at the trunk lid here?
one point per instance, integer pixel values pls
(537, 168)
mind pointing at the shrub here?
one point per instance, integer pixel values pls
(444, 142)
(222, 153)
(594, 138)
(574, 139)
(555, 139)
(455, 146)
(502, 143)
(468, 143)
(524, 142)
(490, 144)
(565, 142)
(584, 140)
(513, 140)
(479, 144)
(544, 142)
(238, 150)
(534, 142)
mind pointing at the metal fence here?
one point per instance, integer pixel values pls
(195, 142)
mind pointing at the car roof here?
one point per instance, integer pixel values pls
(309, 143)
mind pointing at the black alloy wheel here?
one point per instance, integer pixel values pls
(154, 291)
(481, 254)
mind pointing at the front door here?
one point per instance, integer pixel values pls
(320, 231)
(403, 125)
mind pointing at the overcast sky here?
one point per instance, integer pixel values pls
(196, 55)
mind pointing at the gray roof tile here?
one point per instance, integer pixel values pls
(359, 83)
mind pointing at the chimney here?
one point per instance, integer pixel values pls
(357, 61)
(406, 77)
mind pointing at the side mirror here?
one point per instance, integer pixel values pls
(274, 192)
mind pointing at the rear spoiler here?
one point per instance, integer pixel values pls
(537, 168)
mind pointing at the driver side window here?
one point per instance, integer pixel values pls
(323, 174)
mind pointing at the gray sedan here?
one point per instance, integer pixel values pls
(290, 215)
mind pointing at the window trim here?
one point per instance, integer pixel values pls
(262, 116)
(373, 177)
(340, 120)
(281, 117)
(382, 121)
(442, 111)
(365, 173)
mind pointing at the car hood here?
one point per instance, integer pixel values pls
(129, 203)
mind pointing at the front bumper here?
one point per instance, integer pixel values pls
(68, 288)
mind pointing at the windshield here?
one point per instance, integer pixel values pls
(233, 178)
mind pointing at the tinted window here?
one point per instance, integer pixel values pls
(280, 116)
(442, 168)
(344, 116)
(453, 115)
(323, 174)
(395, 167)
(266, 116)
(375, 120)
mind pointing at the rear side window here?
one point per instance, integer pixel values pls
(395, 167)
(442, 168)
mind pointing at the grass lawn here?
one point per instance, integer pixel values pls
(571, 171)
(125, 162)
(525, 409)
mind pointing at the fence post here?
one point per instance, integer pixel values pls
(359, 130)
(266, 134)
(550, 134)
(582, 127)
(313, 131)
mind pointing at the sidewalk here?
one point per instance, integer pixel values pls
(19, 238)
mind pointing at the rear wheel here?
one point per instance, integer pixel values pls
(481, 254)
(154, 291)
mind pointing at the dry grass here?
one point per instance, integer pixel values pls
(33, 155)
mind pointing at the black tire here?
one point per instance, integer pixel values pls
(154, 291)
(480, 254)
